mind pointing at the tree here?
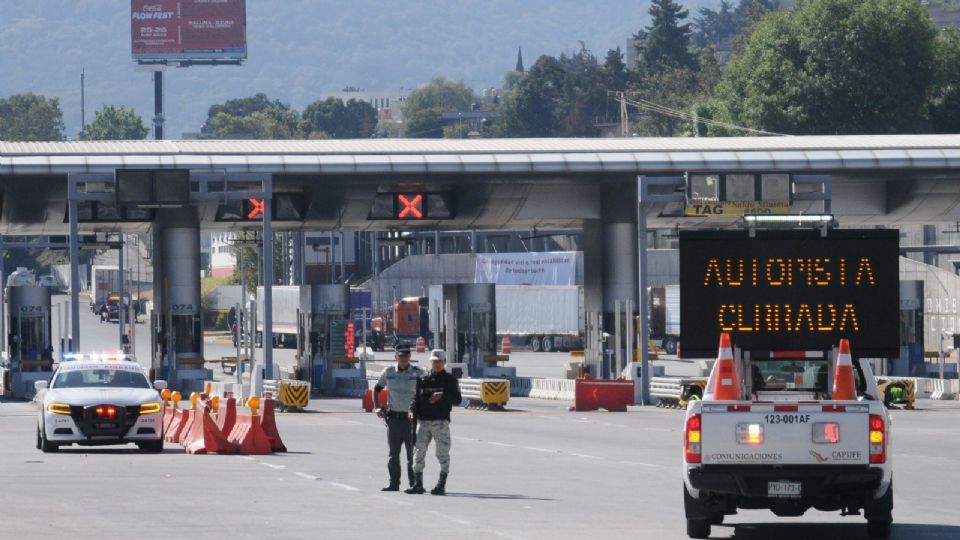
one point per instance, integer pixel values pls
(29, 117)
(532, 109)
(424, 107)
(246, 106)
(833, 67)
(253, 118)
(714, 27)
(665, 41)
(114, 124)
(945, 93)
(338, 120)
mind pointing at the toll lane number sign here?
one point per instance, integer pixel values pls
(790, 290)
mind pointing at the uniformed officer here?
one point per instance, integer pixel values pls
(401, 383)
(436, 395)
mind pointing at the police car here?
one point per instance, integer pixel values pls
(97, 400)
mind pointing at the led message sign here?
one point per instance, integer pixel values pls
(790, 290)
(412, 206)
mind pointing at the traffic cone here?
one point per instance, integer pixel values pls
(421, 345)
(505, 346)
(844, 386)
(724, 382)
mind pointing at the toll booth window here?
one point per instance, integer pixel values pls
(187, 333)
(775, 187)
(740, 187)
(705, 186)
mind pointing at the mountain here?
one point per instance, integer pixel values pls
(299, 49)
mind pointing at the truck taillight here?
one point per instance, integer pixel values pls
(878, 440)
(691, 440)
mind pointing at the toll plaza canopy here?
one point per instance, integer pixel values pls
(489, 183)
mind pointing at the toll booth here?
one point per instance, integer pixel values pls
(464, 321)
(29, 343)
(177, 327)
(326, 330)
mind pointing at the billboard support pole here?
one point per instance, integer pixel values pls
(158, 105)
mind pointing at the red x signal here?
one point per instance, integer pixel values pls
(256, 208)
(411, 207)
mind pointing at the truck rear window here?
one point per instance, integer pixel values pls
(801, 374)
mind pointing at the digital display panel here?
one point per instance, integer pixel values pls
(412, 206)
(785, 290)
(285, 207)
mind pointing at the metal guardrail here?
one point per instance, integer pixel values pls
(676, 392)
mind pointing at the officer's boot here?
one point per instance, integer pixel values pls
(394, 486)
(417, 487)
(441, 487)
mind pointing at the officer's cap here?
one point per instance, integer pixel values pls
(402, 349)
(438, 354)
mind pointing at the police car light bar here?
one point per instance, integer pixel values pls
(75, 357)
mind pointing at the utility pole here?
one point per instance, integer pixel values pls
(83, 109)
(624, 119)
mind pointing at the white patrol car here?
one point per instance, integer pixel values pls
(789, 447)
(99, 400)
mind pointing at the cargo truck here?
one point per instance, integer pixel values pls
(104, 281)
(547, 317)
(664, 317)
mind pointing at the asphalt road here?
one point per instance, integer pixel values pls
(534, 471)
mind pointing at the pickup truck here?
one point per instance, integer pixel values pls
(787, 446)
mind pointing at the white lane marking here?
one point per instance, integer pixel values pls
(495, 443)
(448, 517)
(466, 439)
(247, 458)
(272, 466)
(306, 476)
(502, 534)
(588, 456)
(640, 464)
(536, 449)
(344, 486)
(393, 501)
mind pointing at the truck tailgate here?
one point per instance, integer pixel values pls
(785, 434)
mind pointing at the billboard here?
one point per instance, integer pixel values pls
(790, 290)
(188, 30)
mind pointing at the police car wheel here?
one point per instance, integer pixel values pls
(152, 447)
(43, 444)
(698, 528)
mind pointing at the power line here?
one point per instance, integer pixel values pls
(667, 111)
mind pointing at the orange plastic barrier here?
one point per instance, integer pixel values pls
(205, 437)
(611, 394)
(269, 424)
(186, 425)
(368, 399)
(226, 415)
(505, 346)
(249, 437)
(421, 345)
(177, 424)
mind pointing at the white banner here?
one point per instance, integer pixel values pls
(550, 268)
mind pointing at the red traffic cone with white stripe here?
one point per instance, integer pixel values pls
(724, 382)
(844, 385)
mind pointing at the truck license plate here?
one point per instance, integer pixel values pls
(783, 489)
